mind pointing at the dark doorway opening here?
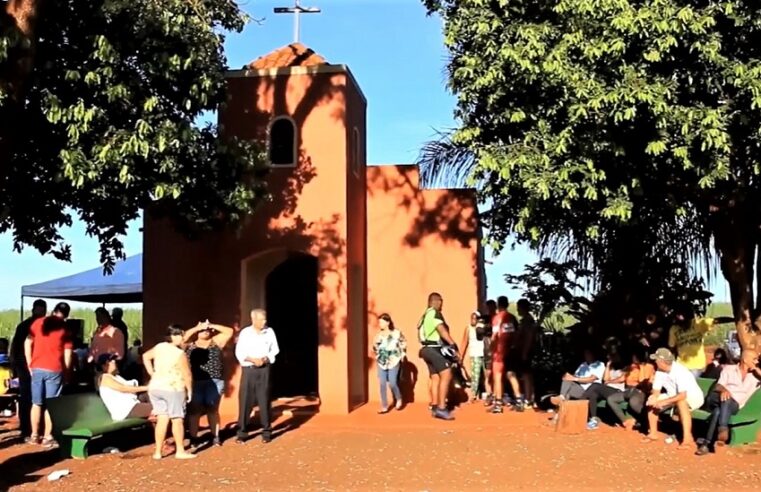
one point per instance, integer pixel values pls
(291, 300)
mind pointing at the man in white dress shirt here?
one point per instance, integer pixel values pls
(256, 351)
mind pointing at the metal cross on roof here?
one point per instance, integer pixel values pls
(296, 10)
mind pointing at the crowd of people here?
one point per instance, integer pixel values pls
(499, 346)
(654, 372)
(185, 375)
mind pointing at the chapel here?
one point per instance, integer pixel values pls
(339, 243)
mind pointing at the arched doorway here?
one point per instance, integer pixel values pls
(292, 311)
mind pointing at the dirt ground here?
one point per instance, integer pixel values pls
(406, 451)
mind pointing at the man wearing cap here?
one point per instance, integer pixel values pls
(680, 391)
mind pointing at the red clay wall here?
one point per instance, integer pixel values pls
(419, 242)
(186, 281)
(356, 232)
(381, 236)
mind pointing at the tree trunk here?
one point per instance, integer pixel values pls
(735, 241)
(20, 18)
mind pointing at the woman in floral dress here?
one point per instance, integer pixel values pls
(390, 349)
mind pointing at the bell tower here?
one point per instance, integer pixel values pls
(309, 116)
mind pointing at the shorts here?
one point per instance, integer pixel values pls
(497, 367)
(167, 402)
(45, 384)
(670, 409)
(487, 357)
(207, 393)
(435, 361)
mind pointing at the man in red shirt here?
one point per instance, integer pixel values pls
(503, 326)
(48, 352)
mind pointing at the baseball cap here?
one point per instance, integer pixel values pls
(663, 354)
(103, 358)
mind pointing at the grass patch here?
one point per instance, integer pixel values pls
(133, 317)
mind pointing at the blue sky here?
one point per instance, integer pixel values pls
(396, 53)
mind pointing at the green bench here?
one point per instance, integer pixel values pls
(80, 418)
(744, 425)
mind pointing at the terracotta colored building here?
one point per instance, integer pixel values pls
(339, 243)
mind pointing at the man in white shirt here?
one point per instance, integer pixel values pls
(256, 350)
(674, 386)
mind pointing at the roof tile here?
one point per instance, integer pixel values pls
(293, 55)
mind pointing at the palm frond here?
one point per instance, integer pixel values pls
(445, 164)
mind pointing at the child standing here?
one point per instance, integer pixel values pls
(473, 345)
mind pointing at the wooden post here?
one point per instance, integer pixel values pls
(572, 417)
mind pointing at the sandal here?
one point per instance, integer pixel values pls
(649, 438)
(32, 440)
(49, 443)
(687, 445)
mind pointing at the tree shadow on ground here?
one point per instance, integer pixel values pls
(25, 468)
(296, 416)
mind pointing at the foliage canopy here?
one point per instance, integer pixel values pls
(613, 132)
(98, 105)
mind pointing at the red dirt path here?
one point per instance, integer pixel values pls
(403, 451)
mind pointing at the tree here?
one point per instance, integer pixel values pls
(610, 129)
(98, 104)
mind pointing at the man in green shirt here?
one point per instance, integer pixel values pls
(434, 335)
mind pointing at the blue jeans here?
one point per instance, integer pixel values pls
(45, 384)
(389, 377)
(207, 393)
(721, 412)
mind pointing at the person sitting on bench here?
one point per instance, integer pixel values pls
(637, 382)
(612, 383)
(574, 385)
(736, 385)
(681, 392)
(123, 398)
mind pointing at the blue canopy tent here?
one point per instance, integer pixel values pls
(124, 285)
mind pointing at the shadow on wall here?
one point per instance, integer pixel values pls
(321, 238)
(408, 379)
(445, 218)
(289, 234)
(286, 229)
(322, 90)
(426, 227)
